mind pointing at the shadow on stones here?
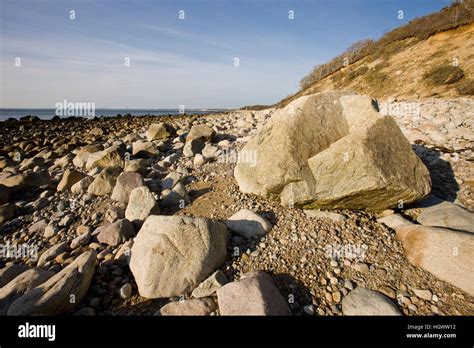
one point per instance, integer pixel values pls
(294, 291)
(443, 181)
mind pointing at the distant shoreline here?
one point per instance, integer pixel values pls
(49, 114)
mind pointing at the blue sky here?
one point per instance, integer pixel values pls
(177, 61)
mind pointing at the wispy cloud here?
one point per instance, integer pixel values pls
(197, 39)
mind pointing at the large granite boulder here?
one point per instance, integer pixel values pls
(171, 255)
(332, 150)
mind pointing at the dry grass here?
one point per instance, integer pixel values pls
(465, 87)
(444, 75)
(459, 13)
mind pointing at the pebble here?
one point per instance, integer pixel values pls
(126, 291)
(309, 309)
(336, 296)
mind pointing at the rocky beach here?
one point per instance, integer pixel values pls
(336, 204)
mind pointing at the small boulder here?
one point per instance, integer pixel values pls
(104, 182)
(248, 224)
(171, 180)
(70, 177)
(82, 185)
(254, 294)
(193, 147)
(202, 132)
(393, 221)
(178, 197)
(51, 253)
(144, 149)
(110, 157)
(116, 233)
(126, 182)
(362, 301)
(141, 204)
(159, 131)
(194, 307)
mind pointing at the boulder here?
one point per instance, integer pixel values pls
(114, 213)
(199, 160)
(26, 181)
(10, 272)
(159, 131)
(195, 307)
(51, 253)
(38, 227)
(110, 157)
(116, 233)
(254, 294)
(202, 132)
(96, 131)
(30, 163)
(210, 151)
(248, 224)
(70, 177)
(81, 239)
(447, 214)
(137, 165)
(171, 255)
(82, 185)
(104, 182)
(83, 153)
(26, 281)
(144, 149)
(60, 293)
(362, 301)
(445, 253)
(171, 180)
(126, 182)
(332, 150)
(141, 204)
(193, 147)
(393, 221)
(177, 198)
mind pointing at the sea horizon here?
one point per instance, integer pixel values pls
(49, 113)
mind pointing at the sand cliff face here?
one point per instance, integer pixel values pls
(400, 73)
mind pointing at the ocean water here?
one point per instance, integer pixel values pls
(47, 114)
